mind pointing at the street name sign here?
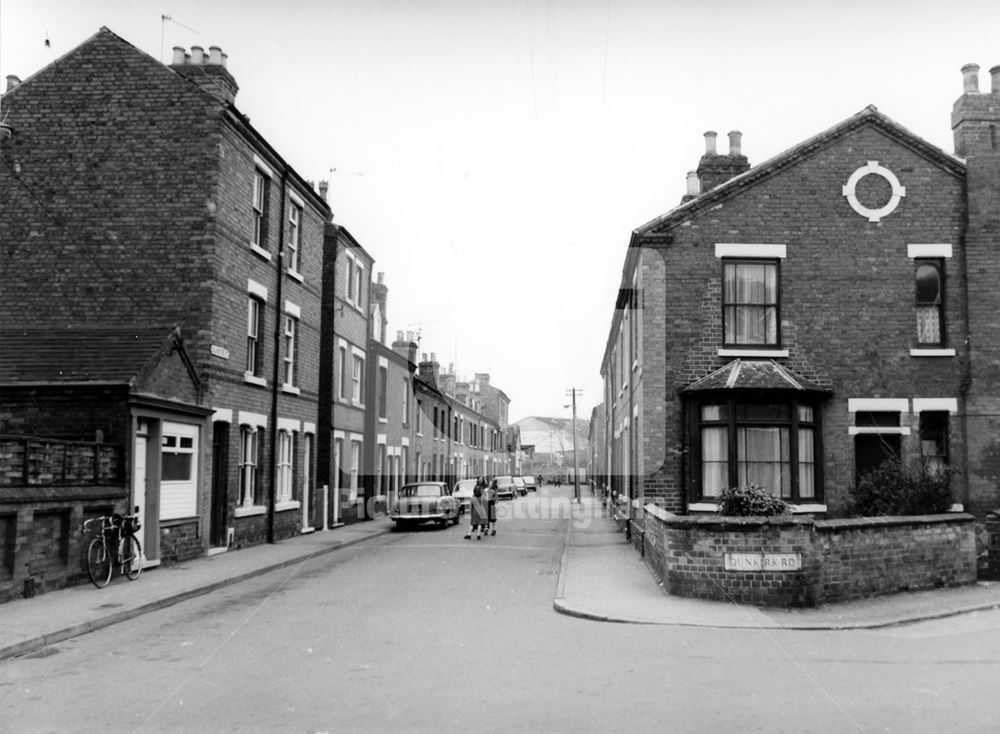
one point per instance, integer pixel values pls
(763, 561)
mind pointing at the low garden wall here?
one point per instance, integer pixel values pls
(801, 561)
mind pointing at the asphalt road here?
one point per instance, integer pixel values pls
(424, 631)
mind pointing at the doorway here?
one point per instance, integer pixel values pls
(220, 485)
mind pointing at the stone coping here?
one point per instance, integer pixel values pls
(726, 521)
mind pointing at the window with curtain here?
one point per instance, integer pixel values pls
(930, 316)
(750, 303)
(772, 445)
(934, 440)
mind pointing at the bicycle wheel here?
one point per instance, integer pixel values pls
(132, 558)
(99, 563)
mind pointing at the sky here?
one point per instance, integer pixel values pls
(494, 155)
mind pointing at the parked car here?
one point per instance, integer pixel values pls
(530, 484)
(424, 502)
(519, 486)
(462, 491)
(505, 488)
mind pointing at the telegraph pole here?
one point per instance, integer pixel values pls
(576, 464)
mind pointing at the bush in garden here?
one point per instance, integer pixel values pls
(894, 489)
(750, 501)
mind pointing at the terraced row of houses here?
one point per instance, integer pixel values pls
(188, 334)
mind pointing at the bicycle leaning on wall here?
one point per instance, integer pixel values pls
(114, 546)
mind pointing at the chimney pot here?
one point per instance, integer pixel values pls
(324, 187)
(215, 55)
(970, 77)
(381, 278)
(995, 80)
(409, 336)
(197, 55)
(399, 335)
(434, 357)
(693, 184)
(735, 138)
(225, 58)
(179, 55)
(710, 142)
(423, 356)
(12, 82)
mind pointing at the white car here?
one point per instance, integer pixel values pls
(462, 491)
(424, 502)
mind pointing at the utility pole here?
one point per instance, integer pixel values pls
(576, 464)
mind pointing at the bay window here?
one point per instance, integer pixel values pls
(771, 444)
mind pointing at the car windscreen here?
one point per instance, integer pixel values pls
(420, 490)
(466, 486)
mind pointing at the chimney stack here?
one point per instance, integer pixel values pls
(207, 71)
(406, 347)
(428, 370)
(975, 117)
(715, 169)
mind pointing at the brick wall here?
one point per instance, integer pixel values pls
(42, 539)
(840, 559)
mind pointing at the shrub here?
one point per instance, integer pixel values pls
(894, 489)
(750, 501)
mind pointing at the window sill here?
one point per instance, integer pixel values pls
(295, 275)
(932, 352)
(383, 420)
(260, 252)
(799, 509)
(733, 352)
(291, 390)
(254, 380)
(887, 430)
(250, 511)
(290, 505)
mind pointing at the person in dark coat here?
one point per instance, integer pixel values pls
(491, 507)
(477, 513)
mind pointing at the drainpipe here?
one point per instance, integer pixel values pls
(272, 498)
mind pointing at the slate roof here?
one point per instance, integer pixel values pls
(747, 374)
(106, 355)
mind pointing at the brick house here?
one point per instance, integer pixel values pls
(134, 192)
(795, 323)
(343, 393)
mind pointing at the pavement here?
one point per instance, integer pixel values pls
(601, 578)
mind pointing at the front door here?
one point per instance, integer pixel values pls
(140, 504)
(220, 484)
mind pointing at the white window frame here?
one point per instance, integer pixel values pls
(284, 470)
(258, 208)
(291, 347)
(357, 378)
(295, 211)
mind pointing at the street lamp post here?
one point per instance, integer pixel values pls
(576, 463)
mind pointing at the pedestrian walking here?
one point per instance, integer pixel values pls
(477, 513)
(491, 507)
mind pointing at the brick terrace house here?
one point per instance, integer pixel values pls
(344, 380)
(134, 193)
(794, 323)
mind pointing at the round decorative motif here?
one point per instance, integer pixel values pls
(874, 215)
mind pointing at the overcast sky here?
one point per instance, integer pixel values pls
(494, 155)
